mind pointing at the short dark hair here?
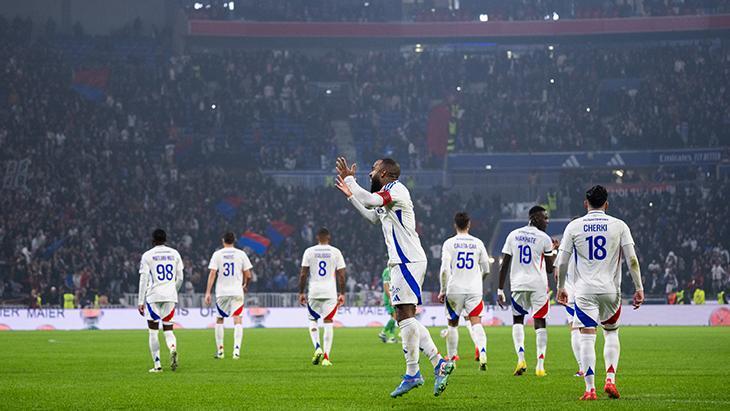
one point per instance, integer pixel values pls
(391, 167)
(323, 232)
(159, 236)
(536, 209)
(461, 219)
(597, 196)
(229, 238)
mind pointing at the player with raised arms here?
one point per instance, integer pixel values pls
(527, 256)
(389, 203)
(464, 264)
(323, 269)
(599, 240)
(230, 269)
(160, 278)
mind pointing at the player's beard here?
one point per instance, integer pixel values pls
(375, 185)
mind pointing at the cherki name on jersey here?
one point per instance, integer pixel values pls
(592, 228)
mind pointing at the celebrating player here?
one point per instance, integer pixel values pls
(389, 203)
(528, 255)
(464, 264)
(320, 264)
(387, 334)
(160, 278)
(598, 240)
(230, 269)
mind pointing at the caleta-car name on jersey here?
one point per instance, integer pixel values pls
(468, 246)
(167, 257)
(592, 228)
(525, 238)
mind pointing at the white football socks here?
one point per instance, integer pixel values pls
(480, 340)
(409, 334)
(155, 347)
(588, 358)
(237, 338)
(452, 341)
(541, 344)
(611, 352)
(427, 346)
(170, 340)
(328, 337)
(575, 343)
(219, 331)
(518, 338)
(314, 334)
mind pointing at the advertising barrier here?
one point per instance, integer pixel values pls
(259, 317)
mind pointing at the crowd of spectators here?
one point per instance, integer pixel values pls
(445, 10)
(86, 179)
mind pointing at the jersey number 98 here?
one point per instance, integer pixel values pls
(164, 272)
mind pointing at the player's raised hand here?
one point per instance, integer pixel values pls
(207, 299)
(343, 170)
(340, 184)
(303, 299)
(638, 299)
(140, 308)
(562, 296)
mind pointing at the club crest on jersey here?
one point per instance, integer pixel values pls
(380, 210)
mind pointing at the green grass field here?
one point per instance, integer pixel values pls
(672, 367)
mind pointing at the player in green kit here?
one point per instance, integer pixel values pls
(387, 334)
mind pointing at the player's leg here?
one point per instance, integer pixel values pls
(453, 306)
(168, 314)
(409, 332)
(222, 312)
(574, 337)
(154, 342)
(540, 307)
(586, 311)
(519, 301)
(467, 324)
(313, 306)
(388, 332)
(610, 308)
(328, 334)
(237, 326)
(475, 307)
(394, 331)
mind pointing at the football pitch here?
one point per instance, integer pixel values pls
(660, 368)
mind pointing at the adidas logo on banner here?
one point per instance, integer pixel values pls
(571, 162)
(616, 160)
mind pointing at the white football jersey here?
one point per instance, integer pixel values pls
(164, 266)
(230, 263)
(596, 239)
(528, 247)
(398, 220)
(323, 261)
(465, 258)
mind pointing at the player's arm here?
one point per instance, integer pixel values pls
(503, 270)
(179, 276)
(303, 277)
(565, 253)
(444, 273)
(246, 279)
(484, 262)
(369, 214)
(144, 273)
(627, 246)
(212, 274)
(346, 176)
(340, 274)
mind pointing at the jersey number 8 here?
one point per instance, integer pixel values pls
(322, 268)
(164, 272)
